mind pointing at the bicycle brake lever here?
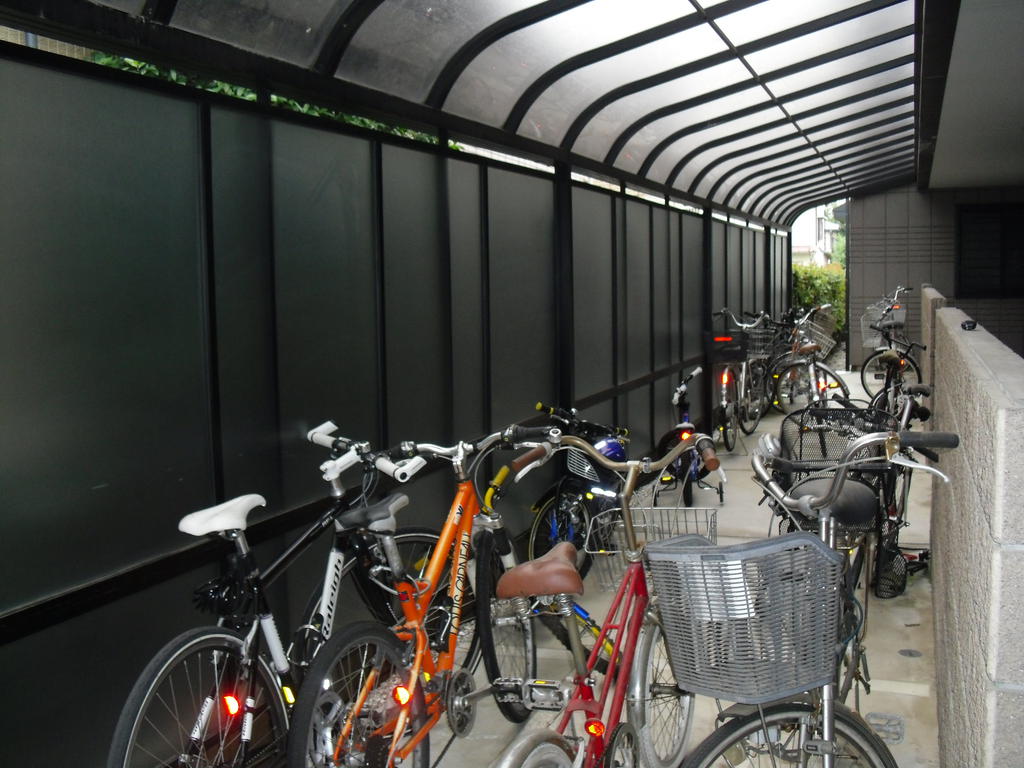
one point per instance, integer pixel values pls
(903, 461)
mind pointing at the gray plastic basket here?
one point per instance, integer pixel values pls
(606, 534)
(750, 622)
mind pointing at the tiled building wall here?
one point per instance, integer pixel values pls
(908, 237)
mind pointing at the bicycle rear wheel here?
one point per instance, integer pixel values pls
(753, 402)
(190, 704)
(872, 372)
(359, 667)
(777, 738)
(562, 517)
(660, 712)
(506, 639)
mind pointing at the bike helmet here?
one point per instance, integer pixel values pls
(612, 448)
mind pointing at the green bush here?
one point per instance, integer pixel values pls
(821, 285)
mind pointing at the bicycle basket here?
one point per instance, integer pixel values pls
(869, 337)
(760, 341)
(749, 622)
(606, 534)
(821, 436)
(890, 565)
(819, 330)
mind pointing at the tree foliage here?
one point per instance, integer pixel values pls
(814, 285)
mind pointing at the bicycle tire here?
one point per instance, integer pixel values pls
(537, 749)
(872, 369)
(336, 678)
(415, 544)
(753, 406)
(743, 738)
(162, 711)
(622, 750)
(729, 417)
(554, 523)
(507, 647)
(661, 713)
(794, 389)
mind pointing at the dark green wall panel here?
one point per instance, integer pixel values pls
(105, 389)
(661, 294)
(325, 251)
(592, 291)
(693, 285)
(638, 289)
(521, 260)
(734, 269)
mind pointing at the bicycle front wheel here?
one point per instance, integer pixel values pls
(563, 517)
(190, 705)
(345, 712)
(506, 638)
(660, 712)
(872, 372)
(777, 738)
(753, 402)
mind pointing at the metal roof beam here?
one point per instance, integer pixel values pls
(789, 213)
(341, 34)
(843, 188)
(792, 150)
(640, 39)
(681, 106)
(728, 55)
(670, 180)
(483, 39)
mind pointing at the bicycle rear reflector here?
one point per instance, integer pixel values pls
(231, 705)
(684, 435)
(725, 376)
(723, 339)
(401, 694)
(595, 727)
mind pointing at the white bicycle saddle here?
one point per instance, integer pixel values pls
(229, 516)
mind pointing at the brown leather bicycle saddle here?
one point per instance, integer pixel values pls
(553, 573)
(856, 506)
(807, 349)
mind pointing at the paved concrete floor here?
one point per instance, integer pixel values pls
(899, 639)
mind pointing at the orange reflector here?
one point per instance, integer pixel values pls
(822, 384)
(401, 694)
(896, 306)
(595, 727)
(723, 338)
(725, 377)
(684, 435)
(231, 705)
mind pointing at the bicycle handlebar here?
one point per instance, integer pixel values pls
(726, 312)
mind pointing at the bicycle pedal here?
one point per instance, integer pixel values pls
(507, 689)
(546, 694)
(890, 728)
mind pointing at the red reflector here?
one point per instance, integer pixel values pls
(725, 377)
(684, 435)
(403, 597)
(231, 705)
(595, 727)
(401, 694)
(723, 338)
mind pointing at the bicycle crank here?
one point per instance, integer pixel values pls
(460, 702)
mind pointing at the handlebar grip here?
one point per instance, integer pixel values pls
(403, 471)
(707, 455)
(524, 460)
(322, 435)
(518, 434)
(553, 410)
(874, 327)
(929, 439)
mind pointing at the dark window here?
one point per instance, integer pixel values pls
(990, 255)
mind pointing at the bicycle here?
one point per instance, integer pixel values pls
(211, 696)
(757, 623)
(688, 469)
(803, 379)
(658, 712)
(882, 326)
(752, 380)
(374, 692)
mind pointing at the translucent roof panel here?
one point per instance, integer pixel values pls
(551, 115)
(813, 119)
(847, 90)
(831, 38)
(822, 73)
(775, 16)
(603, 129)
(692, 120)
(290, 30)
(889, 114)
(741, 153)
(742, 182)
(698, 161)
(403, 47)
(884, 128)
(492, 83)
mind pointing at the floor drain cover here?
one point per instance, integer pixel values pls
(890, 728)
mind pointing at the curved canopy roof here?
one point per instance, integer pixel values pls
(760, 107)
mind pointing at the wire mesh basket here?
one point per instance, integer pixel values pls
(653, 520)
(760, 341)
(869, 337)
(749, 622)
(819, 330)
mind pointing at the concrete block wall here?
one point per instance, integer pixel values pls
(908, 237)
(978, 544)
